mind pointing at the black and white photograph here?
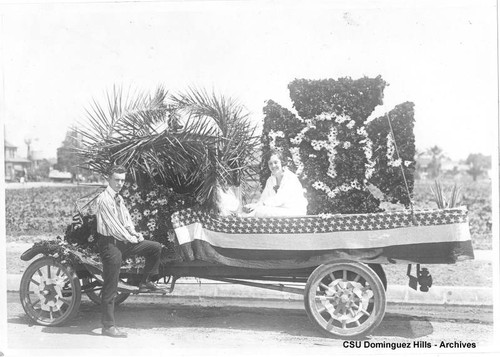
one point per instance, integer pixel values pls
(200, 178)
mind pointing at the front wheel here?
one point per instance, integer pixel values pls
(345, 299)
(50, 292)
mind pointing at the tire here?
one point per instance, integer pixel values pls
(50, 292)
(95, 295)
(345, 299)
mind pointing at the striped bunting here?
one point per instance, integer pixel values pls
(441, 236)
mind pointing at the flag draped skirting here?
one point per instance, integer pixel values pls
(433, 237)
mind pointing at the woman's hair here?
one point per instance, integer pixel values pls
(274, 152)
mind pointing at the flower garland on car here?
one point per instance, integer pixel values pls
(151, 207)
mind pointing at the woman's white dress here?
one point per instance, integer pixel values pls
(287, 199)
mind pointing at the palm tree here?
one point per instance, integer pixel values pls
(212, 146)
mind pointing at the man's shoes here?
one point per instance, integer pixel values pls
(113, 332)
(149, 287)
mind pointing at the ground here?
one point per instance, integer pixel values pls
(214, 328)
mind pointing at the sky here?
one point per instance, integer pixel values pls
(442, 55)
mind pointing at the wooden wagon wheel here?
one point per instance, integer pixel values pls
(95, 295)
(50, 292)
(345, 299)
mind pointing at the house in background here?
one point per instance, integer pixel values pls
(60, 176)
(15, 167)
(455, 168)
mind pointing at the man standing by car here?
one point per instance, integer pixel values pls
(118, 239)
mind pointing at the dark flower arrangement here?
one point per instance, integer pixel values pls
(334, 150)
(68, 253)
(151, 206)
(388, 176)
(82, 232)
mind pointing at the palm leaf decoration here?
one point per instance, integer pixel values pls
(190, 142)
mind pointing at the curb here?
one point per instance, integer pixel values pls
(399, 294)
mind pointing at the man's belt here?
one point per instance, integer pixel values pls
(109, 239)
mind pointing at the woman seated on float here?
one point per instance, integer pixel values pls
(283, 194)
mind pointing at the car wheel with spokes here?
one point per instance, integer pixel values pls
(345, 299)
(50, 292)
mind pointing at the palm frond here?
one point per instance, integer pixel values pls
(213, 146)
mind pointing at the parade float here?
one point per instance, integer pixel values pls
(180, 149)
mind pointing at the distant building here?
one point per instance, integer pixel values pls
(454, 167)
(60, 176)
(446, 167)
(15, 167)
(36, 158)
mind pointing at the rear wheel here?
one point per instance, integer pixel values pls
(50, 292)
(96, 293)
(345, 299)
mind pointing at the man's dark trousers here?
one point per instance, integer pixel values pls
(112, 252)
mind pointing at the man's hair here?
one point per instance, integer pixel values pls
(117, 169)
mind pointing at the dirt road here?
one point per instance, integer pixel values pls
(207, 327)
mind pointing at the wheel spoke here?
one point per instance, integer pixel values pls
(357, 323)
(364, 312)
(344, 275)
(324, 286)
(321, 309)
(66, 301)
(356, 279)
(33, 303)
(50, 313)
(39, 272)
(323, 298)
(35, 282)
(329, 324)
(48, 271)
(344, 324)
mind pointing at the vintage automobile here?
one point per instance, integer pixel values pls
(337, 259)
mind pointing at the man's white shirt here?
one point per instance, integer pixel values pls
(113, 218)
